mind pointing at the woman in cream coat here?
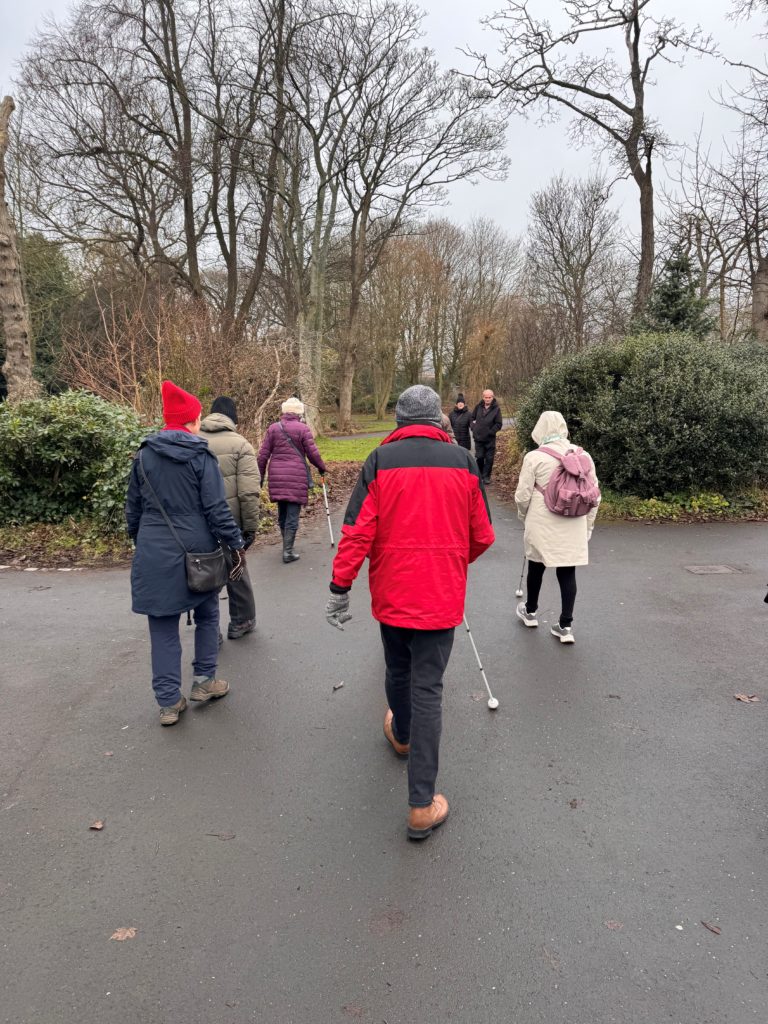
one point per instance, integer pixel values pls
(551, 541)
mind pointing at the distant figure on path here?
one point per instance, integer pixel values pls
(283, 450)
(486, 423)
(419, 513)
(461, 420)
(551, 541)
(184, 475)
(238, 465)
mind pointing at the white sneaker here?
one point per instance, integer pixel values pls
(526, 617)
(563, 633)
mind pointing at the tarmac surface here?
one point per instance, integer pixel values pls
(615, 801)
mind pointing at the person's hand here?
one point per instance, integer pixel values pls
(249, 539)
(238, 564)
(337, 610)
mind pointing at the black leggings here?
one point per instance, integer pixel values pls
(566, 577)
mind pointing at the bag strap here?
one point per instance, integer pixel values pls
(295, 447)
(160, 504)
(552, 452)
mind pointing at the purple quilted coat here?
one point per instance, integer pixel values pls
(287, 470)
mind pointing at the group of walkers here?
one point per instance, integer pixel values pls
(418, 513)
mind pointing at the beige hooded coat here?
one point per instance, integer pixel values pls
(237, 462)
(551, 539)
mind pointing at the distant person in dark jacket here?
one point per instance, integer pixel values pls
(486, 423)
(185, 476)
(461, 418)
(237, 462)
(283, 449)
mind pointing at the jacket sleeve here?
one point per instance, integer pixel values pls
(265, 452)
(134, 504)
(359, 530)
(248, 490)
(498, 421)
(311, 449)
(525, 488)
(481, 533)
(215, 508)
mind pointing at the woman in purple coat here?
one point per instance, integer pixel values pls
(284, 447)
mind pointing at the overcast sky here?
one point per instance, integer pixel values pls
(683, 100)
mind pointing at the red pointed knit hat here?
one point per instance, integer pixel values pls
(179, 407)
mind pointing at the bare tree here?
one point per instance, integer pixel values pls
(555, 71)
(572, 248)
(17, 367)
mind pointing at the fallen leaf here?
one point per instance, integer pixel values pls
(353, 1011)
(338, 686)
(747, 698)
(121, 934)
(573, 804)
(221, 835)
(615, 926)
(712, 927)
(614, 696)
(97, 826)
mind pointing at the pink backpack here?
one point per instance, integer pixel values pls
(572, 489)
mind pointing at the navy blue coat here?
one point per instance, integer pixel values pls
(186, 478)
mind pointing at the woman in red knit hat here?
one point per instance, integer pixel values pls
(176, 470)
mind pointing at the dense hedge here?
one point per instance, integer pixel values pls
(662, 413)
(65, 456)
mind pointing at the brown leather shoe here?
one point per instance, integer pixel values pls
(422, 820)
(399, 748)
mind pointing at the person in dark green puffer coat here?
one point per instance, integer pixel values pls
(237, 462)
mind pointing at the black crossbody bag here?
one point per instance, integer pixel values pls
(206, 570)
(292, 443)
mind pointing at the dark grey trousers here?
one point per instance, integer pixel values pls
(416, 660)
(242, 607)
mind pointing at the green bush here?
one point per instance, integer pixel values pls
(662, 413)
(66, 456)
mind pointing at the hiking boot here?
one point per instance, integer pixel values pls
(170, 715)
(238, 629)
(221, 639)
(399, 748)
(289, 555)
(526, 617)
(208, 688)
(422, 820)
(563, 633)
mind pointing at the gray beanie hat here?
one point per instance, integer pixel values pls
(418, 404)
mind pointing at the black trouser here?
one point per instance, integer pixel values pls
(242, 607)
(288, 515)
(416, 660)
(566, 577)
(485, 453)
(463, 442)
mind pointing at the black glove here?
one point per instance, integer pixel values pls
(249, 539)
(238, 564)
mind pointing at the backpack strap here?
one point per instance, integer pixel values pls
(552, 452)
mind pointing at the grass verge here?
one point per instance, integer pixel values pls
(357, 450)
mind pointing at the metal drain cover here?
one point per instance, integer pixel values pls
(710, 570)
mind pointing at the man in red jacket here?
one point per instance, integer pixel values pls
(420, 514)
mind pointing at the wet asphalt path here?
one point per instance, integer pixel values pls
(615, 801)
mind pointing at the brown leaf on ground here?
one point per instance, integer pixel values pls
(615, 926)
(121, 934)
(573, 804)
(97, 826)
(712, 927)
(747, 698)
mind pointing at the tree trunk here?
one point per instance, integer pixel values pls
(647, 244)
(760, 301)
(17, 368)
(347, 368)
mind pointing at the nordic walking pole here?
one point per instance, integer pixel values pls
(492, 702)
(327, 511)
(519, 591)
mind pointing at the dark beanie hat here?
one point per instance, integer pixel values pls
(460, 398)
(226, 407)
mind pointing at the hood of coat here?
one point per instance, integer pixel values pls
(217, 421)
(178, 445)
(550, 426)
(417, 430)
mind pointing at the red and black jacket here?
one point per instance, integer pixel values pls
(419, 512)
